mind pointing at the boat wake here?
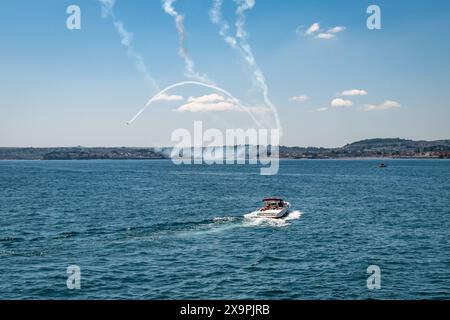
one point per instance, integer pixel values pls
(220, 224)
(251, 220)
(213, 226)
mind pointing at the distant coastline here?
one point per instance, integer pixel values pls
(366, 149)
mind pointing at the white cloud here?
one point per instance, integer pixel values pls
(325, 36)
(315, 31)
(217, 103)
(386, 105)
(301, 98)
(312, 29)
(207, 98)
(354, 92)
(322, 109)
(336, 29)
(168, 98)
(338, 102)
(207, 107)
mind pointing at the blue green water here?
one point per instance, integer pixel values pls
(153, 230)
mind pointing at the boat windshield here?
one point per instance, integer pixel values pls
(274, 204)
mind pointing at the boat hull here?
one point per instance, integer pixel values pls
(274, 214)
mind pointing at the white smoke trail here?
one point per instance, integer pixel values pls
(126, 40)
(206, 85)
(216, 18)
(179, 23)
(240, 43)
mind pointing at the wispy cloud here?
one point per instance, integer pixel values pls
(325, 36)
(301, 98)
(336, 29)
(338, 102)
(315, 27)
(386, 105)
(317, 32)
(354, 92)
(322, 109)
(126, 39)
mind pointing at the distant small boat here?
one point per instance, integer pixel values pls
(382, 165)
(274, 208)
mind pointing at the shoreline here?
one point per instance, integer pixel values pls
(281, 159)
(386, 148)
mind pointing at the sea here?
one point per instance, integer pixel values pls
(155, 230)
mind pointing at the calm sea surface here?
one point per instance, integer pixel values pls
(153, 230)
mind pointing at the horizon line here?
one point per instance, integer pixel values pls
(218, 146)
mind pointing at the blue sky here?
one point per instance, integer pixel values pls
(65, 87)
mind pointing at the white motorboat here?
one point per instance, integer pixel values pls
(274, 208)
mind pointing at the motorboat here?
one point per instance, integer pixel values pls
(274, 208)
(382, 165)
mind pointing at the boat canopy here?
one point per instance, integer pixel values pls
(272, 199)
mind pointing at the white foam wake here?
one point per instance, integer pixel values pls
(252, 220)
(227, 223)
